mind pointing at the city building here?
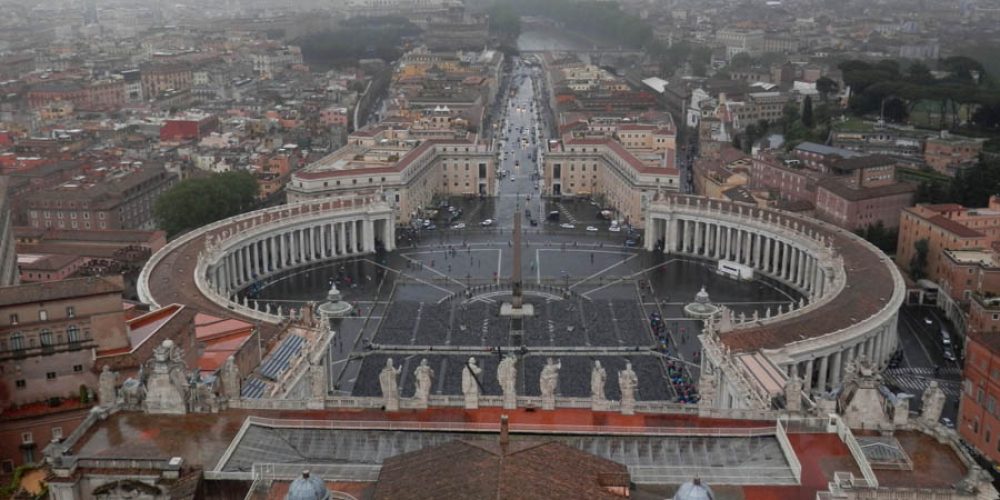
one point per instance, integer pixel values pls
(946, 227)
(408, 172)
(188, 127)
(49, 333)
(979, 414)
(862, 192)
(8, 255)
(109, 198)
(620, 163)
(947, 153)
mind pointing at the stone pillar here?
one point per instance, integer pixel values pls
(698, 246)
(824, 365)
(388, 238)
(808, 379)
(651, 233)
(369, 235)
(835, 370)
(341, 238)
(718, 242)
(740, 248)
(765, 265)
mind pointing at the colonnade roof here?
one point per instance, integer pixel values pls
(869, 287)
(172, 279)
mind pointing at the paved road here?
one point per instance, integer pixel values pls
(519, 142)
(923, 358)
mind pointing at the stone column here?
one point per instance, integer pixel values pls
(698, 246)
(651, 223)
(388, 238)
(808, 379)
(341, 238)
(836, 369)
(740, 249)
(824, 365)
(369, 235)
(765, 264)
(717, 242)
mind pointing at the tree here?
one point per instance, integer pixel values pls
(789, 117)
(878, 235)
(807, 112)
(919, 74)
(193, 203)
(826, 86)
(741, 61)
(895, 110)
(918, 264)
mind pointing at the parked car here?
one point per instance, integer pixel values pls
(487, 222)
(567, 225)
(592, 229)
(460, 225)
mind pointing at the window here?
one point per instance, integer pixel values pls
(70, 312)
(21, 383)
(72, 333)
(57, 433)
(13, 319)
(43, 315)
(45, 337)
(50, 375)
(7, 466)
(17, 342)
(77, 368)
(27, 438)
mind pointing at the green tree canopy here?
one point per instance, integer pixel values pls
(193, 203)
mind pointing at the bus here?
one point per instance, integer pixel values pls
(735, 271)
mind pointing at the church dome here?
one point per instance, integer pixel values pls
(694, 490)
(307, 488)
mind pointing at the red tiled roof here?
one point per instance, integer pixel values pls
(955, 228)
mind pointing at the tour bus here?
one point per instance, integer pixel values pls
(735, 271)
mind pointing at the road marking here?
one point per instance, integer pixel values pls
(602, 271)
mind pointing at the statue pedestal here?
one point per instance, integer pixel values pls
(420, 404)
(510, 402)
(509, 311)
(163, 397)
(315, 404)
(391, 404)
(599, 405)
(471, 401)
(548, 402)
(628, 407)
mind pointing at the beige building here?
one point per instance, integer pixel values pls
(408, 172)
(50, 332)
(623, 169)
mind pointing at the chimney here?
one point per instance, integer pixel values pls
(504, 434)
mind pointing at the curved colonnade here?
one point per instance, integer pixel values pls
(236, 252)
(852, 292)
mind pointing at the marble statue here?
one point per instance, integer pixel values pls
(423, 375)
(598, 379)
(230, 379)
(932, 404)
(548, 381)
(106, 387)
(390, 385)
(507, 377)
(133, 392)
(167, 385)
(793, 393)
(628, 382)
(470, 384)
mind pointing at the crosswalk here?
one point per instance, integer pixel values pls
(567, 214)
(916, 384)
(926, 371)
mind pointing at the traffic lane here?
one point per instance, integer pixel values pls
(926, 336)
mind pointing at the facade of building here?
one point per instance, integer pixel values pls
(49, 332)
(947, 154)
(946, 227)
(190, 127)
(409, 172)
(119, 199)
(979, 413)
(8, 256)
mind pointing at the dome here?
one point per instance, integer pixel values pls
(307, 488)
(694, 490)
